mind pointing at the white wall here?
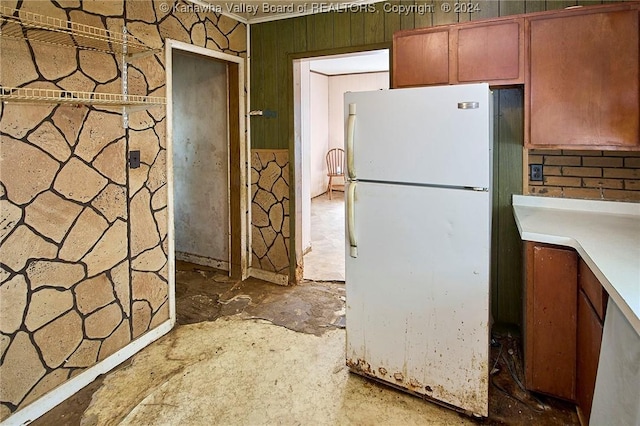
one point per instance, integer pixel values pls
(340, 84)
(319, 127)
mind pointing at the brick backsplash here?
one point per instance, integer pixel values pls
(602, 175)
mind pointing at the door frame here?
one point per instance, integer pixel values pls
(239, 194)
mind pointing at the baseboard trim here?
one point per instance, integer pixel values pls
(269, 276)
(202, 260)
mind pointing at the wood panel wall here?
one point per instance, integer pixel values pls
(274, 45)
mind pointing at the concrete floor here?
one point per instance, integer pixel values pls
(253, 353)
(325, 261)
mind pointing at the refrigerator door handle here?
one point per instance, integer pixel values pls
(351, 220)
(351, 129)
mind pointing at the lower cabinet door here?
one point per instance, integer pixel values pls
(550, 320)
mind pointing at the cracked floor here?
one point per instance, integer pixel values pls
(253, 353)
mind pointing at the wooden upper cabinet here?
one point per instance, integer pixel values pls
(421, 58)
(488, 51)
(491, 52)
(582, 86)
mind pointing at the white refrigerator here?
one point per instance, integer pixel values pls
(418, 204)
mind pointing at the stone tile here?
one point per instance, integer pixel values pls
(50, 140)
(141, 317)
(143, 228)
(26, 170)
(148, 286)
(276, 214)
(77, 81)
(120, 279)
(17, 66)
(268, 176)
(140, 120)
(161, 220)
(264, 199)
(84, 234)
(99, 66)
(140, 11)
(153, 71)
(159, 198)
(46, 384)
(4, 274)
(10, 215)
(198, 34)
(278, 254)
(258, 216)
(85, 356)
(60, 338)
(77, 181)
(54, 274)
(161, 316)
(281, 189)
(13, 297)
(100, 129)
(146, 142)
(54, 62)
(45, 8)
(158, 172)
(46, 305)
(161, 129)
(112, 202)
(52, 215)
(112, 162)
(94, 293)
(110, 250)
(238, 38)
(5, 412)
(116, 341)
(216, 40)
(103, 322)
(258, 246)
(226, 24)
(172, 28)
(69, 120)
(137, 178)
(268, 235)
(137, 85)
(25, 245)
(20, 370)
(4, 344)
(151, 260)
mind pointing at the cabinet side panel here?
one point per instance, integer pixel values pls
(589, 340)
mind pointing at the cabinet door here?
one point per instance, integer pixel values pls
(550, 320)
(589, 341)
(592, 288)
(491, 52)
(583, 89)
(421, 59)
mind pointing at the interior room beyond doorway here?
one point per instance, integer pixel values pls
(322, 83)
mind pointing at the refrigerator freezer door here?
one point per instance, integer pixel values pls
(418, 291)
(431, 135)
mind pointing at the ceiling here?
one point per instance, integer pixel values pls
(256, 11)
(352, 63)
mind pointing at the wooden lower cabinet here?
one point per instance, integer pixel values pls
(565, 307)
(550, 320)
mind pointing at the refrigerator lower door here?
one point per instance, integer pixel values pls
(418, 290)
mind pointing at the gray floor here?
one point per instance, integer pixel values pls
(325, 261)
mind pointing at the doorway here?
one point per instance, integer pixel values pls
(207, 157)
(319, 87)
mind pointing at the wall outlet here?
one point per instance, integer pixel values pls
(535, 172)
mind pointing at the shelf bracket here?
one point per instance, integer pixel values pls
(124, 78)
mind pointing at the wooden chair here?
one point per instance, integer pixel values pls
(335, 168)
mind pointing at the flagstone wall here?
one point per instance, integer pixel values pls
(83, 239)
(270, 210)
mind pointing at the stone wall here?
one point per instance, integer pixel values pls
(270, 210)
(83, 239)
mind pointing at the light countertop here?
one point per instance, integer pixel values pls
(605, 234)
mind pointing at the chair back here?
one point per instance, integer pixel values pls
(335, 162)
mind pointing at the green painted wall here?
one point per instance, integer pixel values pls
(275, 44)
